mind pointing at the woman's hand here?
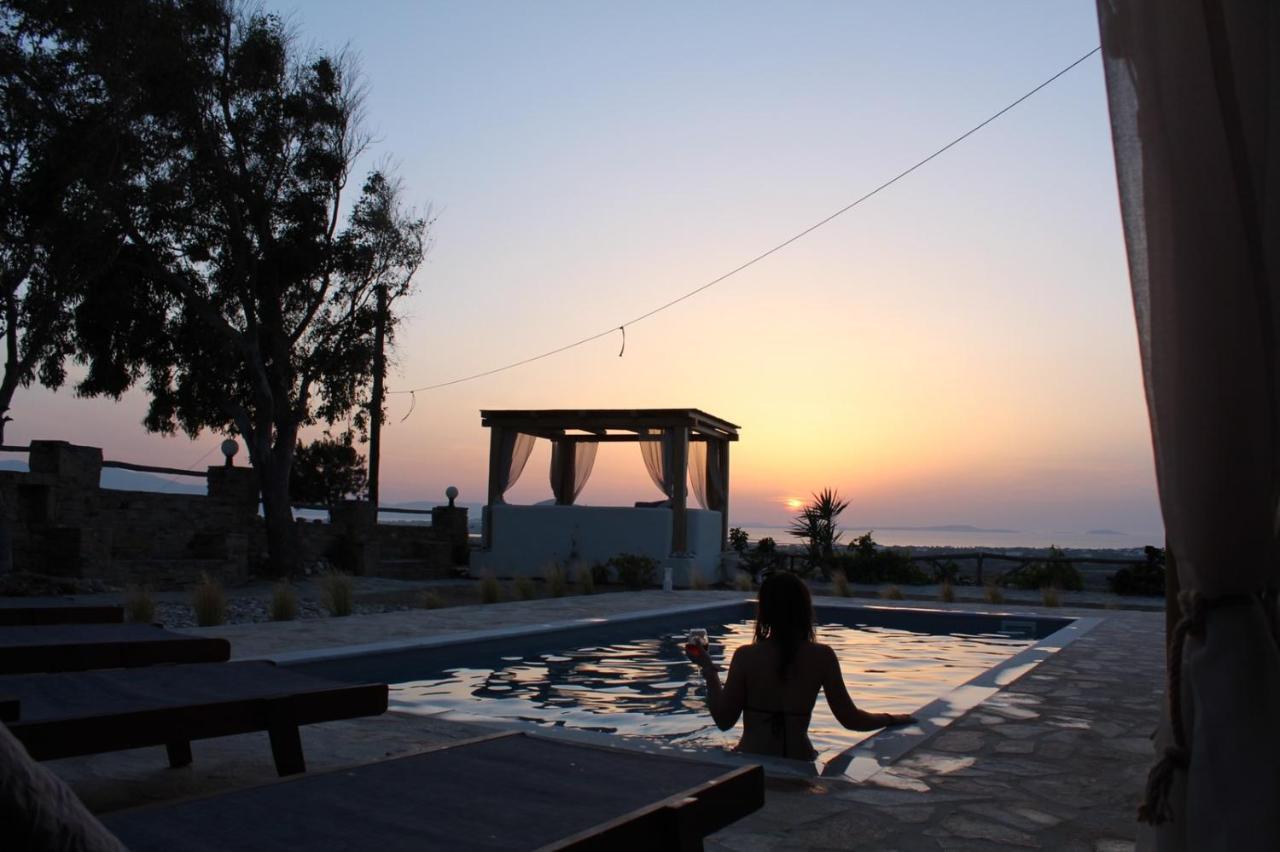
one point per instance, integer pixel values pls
(697, 654)
(893, 720)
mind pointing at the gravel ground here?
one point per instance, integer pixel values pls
(257, 610)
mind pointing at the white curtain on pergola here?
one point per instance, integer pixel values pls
(1194, 92)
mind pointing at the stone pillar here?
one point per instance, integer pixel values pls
(236, 487)
(73, 466)
(450, 524)
(355, 525)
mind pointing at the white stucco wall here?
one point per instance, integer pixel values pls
(529, 539)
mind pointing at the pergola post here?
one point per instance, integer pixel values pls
(680, 490)
(722, 447)
(495, 452)
(564, 472)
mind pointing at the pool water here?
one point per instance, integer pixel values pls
(647, 688)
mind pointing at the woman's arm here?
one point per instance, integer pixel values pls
(843, 708)
(724, 702)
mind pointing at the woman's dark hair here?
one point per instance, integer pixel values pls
(784, 613)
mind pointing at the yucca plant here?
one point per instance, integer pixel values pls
(816, 526)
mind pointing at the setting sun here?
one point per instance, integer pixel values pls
(793, 502)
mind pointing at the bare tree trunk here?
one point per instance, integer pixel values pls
(375, 408)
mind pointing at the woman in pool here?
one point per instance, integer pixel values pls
(774, 682)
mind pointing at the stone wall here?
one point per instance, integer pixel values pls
(61, 522)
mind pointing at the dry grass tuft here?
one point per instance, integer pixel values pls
(490, 591)
(430, 599)
(284, 602)
(839, 584)
(557, 581)
(209, 602)
(698, 582)
(139, 606)
(742, 583)
(525, 589)
(891, 593)
(994, 594)
(337, 592)
(586, 580)
(1050, 596)
(947, 592)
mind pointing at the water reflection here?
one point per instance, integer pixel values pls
(647, 688)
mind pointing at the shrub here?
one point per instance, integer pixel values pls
(600, 574)
(742, 583)
(139, 605)
(947, 592)
(839, 584)
(763, 559)
(891, 593)
(738, 540)
(587, 580)
(337, 592)
(209, 602)
(557, 581)
(1052, 572)
(525, 589)
(994, 594)
(1049, 596)
(1145, 579)
(634, 572)
(490, 591)
(284, 602)
(430, 599)
(867, 562)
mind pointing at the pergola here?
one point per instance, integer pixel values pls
(666, 432)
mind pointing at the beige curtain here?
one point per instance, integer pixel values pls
(704, 463)
(584, 459)
(1194, 92)
(513, 455)
(657, 453)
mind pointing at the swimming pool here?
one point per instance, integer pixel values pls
(627, 677)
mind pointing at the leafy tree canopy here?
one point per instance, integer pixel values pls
(327, 471)
(240, 294)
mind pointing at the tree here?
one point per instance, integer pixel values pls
(46, 116)
(235, 296)
(327, 470)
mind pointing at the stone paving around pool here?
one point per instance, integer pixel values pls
(1056, 760)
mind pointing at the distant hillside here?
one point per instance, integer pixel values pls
(130, 480)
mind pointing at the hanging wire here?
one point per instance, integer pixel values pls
(753, 261)
(623, 329)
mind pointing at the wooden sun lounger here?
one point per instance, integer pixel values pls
(73, 713)
(509, 791)
(78, 647)
(59, 612)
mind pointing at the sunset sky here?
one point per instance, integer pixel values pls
(959, 349)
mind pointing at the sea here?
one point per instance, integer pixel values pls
(965, 538)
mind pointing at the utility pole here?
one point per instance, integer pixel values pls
(375, 413)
